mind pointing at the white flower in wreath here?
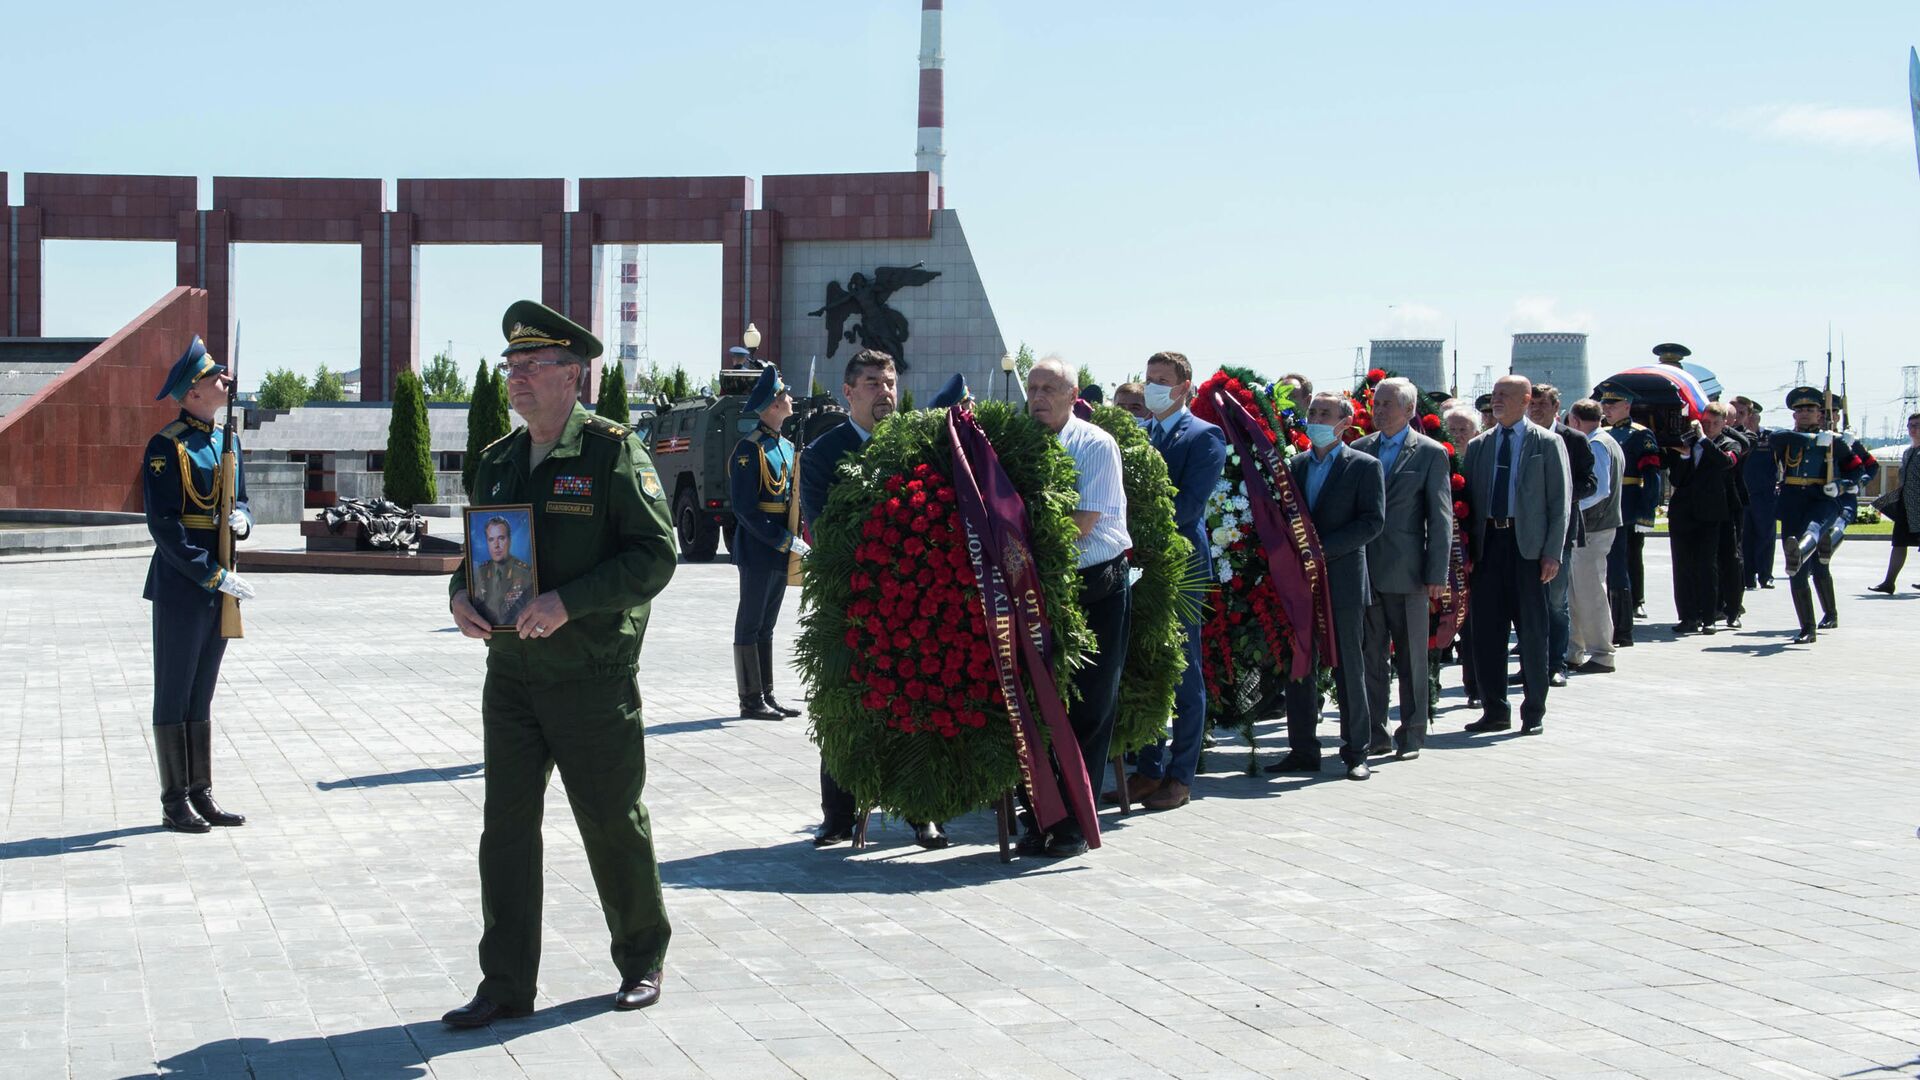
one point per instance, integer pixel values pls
(1223, 536)
(1240, 502)
(1217, 550)
(1226, 572)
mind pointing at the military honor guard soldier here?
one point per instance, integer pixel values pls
(560, 688)
(181, 478)
(761, 483)
(1813, 477)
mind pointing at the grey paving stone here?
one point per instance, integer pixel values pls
(1674, 882)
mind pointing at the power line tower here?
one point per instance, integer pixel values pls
(1483, 382)
(1359, 363)
(630, 339)
(1799, 373)
(1910, 389)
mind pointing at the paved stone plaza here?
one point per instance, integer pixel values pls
(1708, 867)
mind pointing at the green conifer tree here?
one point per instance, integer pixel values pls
(409, 479)
(613, 394)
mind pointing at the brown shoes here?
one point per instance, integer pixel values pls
(638, 993)
(1138, 788)
(1172, 795)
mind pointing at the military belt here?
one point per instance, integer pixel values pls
(1630, 481)
(197, 521)
(773, 507)
(1803, 481)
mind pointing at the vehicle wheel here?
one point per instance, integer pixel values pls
(699, 538)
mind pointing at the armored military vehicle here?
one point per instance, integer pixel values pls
(691, 442)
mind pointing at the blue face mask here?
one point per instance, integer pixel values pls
(1321, 435)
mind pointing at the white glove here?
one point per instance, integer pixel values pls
(236, 586)
(799, 547)
(1825, 438)
(1832, 490)
(241, 524)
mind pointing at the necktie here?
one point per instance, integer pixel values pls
(1159, 436)
(1502, 469)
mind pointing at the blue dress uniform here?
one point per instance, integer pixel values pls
(1642, 487)
(761, 484)
(1817, 469)
(1761, 473)
(180, 480)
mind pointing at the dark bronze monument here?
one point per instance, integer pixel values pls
(880, 327)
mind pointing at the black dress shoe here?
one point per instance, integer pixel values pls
(1558, 678)
(830, 833)
(638, 993)
(1709, 629)
(1407, 755)
(929, 835)
(1380, 749)
(755, 708)
(1594, 667)
(1686, 628)
(1031, 842)
(480, 1012)
(1481, 727)
(774, 704)
(1805, 637)
(1472, 702)
(1767, 584)
(1065, 844)
(1538, 727)
(1733, 622)
(1883, 587)
(1291, 764)
(1831, 622)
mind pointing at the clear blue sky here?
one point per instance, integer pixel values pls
(1269, 183)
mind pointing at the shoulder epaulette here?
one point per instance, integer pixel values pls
(174, 431)
(500, 440)
(606, 428)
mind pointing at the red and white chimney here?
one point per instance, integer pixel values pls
(931, 153)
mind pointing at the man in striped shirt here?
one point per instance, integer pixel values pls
(1105, 585)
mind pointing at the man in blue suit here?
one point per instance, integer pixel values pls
(1195, 451)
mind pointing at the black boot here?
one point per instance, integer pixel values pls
(1830, 611)
(1803, 607)
(746, 676)
(766, 680)
(200, 776)
(170, 749)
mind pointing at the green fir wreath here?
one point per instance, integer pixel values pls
(1156, 656)
(884, 596)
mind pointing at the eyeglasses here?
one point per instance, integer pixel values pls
(510, 368)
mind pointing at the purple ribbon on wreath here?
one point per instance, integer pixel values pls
(1018, 631)
(1296, 564)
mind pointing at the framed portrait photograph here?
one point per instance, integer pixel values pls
(502, 572)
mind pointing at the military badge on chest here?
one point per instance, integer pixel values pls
(581, 486)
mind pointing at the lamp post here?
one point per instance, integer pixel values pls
(751, 339)
(1006, 380)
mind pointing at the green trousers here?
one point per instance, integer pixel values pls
(591, 729)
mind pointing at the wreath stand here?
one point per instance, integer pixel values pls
(1002, 820)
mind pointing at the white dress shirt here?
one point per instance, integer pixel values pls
(1096, 457)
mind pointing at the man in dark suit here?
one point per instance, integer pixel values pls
(1406, 563)
(1544, 409)
(1704, 503)
(1518, 486)
(1760, 479)
(1346, 498)
(869, 387)
(1195, 452)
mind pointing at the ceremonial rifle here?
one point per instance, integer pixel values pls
(793, 480)
(230, 626)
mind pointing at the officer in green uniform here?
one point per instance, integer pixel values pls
(560, 689)
(180, 483)
(502, 585)
(761, 483)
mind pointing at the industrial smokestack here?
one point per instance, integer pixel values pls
(931, 153)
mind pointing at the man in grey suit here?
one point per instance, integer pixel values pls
(1346, 502)
(1518, 485)
(1406, 563)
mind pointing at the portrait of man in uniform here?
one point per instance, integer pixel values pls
(500, 573)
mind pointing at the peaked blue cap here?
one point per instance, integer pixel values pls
(193, 365)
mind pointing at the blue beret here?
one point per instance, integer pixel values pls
(766, 389)
(953, 393)
(193, 365)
